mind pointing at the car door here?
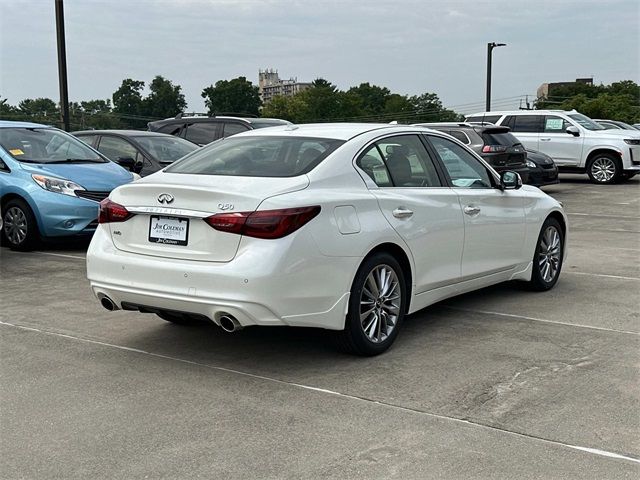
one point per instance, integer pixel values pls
(564, 148)
(116, 148)
(494, 221)
(422, 211)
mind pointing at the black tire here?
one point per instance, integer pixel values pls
(541, 280)
(181, 318)
(604, 169)
(390, 306)
(20, 229)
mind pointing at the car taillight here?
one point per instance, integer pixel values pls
(494, 149)
(269, 224)
(111, 212)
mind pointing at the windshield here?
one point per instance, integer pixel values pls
(585, 121)
(45, 145)
(166, 149)
(258, 157)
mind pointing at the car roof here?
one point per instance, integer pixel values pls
(337, 131)
(519, 112)
(124, 133)
(203, 118)
(11, 124)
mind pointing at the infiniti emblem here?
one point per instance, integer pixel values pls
(165, 198)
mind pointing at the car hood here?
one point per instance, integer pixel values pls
(102, 177)
(617, 134)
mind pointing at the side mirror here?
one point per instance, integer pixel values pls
(572, 130)
(126, 162)
(510, 180)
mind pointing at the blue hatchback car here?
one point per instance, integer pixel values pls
(51, 184)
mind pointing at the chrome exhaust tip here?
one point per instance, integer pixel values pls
(107, 303)
(229, 323)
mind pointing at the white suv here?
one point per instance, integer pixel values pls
(575, 142)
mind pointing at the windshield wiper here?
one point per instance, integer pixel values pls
(77, 160)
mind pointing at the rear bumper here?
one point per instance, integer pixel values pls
(543, 176)
(265, 284)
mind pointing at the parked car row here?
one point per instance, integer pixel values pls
(576, 143)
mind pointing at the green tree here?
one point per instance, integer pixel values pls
(128, 98)
(164, 99)
(237, 95)
(372, 98)
(6, 110)
(39, 107)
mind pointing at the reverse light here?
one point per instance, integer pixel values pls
(112, 212)
(57, 185)
(268, 224)
(494, 149)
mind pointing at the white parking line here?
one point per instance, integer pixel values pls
(543, 320)
(593, 451)
(620, 277)
(603, 215)
(62, 255)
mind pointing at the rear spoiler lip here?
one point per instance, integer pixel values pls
(496, 129)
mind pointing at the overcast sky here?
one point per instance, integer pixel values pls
(408, 46)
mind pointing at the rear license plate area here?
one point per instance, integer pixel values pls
(168, 230)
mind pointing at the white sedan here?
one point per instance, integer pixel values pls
(347, 227)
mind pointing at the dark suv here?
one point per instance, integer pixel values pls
(495, 145)
(202, 129)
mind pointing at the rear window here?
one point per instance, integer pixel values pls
(484, 118)
(506, 139)
(258, 157)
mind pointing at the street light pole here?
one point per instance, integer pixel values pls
(490, 47)
(62, 66)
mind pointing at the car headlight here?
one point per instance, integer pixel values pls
(57, 185)
(632, 141)
(530, 164)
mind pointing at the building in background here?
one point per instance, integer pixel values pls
(546, 89)
(270, 85)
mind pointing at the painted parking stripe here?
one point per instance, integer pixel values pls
(604, 215)
(619, 277)
(590, 450)
(543, 320)
(62, 255)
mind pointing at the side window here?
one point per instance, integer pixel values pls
(3, 167)
(527, 123)
(555, 124)
(460, 135)
(484, 118)
(88, 139)
(464, 169)
(233, 128)
(171, 129)
(509, 121)
(401, 161)
(114, 147)
(202, 132)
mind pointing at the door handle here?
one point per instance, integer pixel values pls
(545, 139)
(470, 210)
(401, 212)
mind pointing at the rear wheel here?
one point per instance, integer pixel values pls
(604, 168)
(20, 230)
(376, 307)
(548, 256)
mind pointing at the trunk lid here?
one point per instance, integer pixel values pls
(170, 210)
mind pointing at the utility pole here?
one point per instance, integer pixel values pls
(62, 66)
(490, 47)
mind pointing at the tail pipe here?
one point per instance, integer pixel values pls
(229, 323)
(107, 303)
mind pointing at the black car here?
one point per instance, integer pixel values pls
(494, 144)
(202, 129)
(140, 152)
(542, 169)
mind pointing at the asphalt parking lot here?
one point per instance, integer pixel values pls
(500, 383)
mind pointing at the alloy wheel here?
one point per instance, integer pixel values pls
(15, 225)
(549, 254)
(380, 303)
(603, 169)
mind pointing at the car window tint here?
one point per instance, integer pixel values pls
(257, 156)
(509, 121)
(460, 135)
(114, 148)
(88, 139)
(555, 124)
(407, 163)
(202, 133)
(464, 169)
(484, 118)
(233, 128)
(372, 163)
(171, 129)
(528, 123)
(3, 166)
